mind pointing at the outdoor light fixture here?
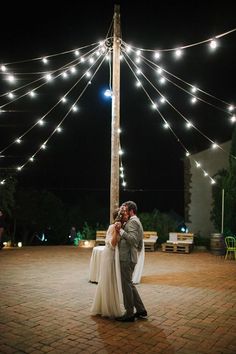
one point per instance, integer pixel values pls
(108, 93)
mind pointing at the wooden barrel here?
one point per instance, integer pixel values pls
(217, 244)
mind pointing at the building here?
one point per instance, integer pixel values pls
(198, 189)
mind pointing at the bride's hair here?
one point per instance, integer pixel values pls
(117, 215)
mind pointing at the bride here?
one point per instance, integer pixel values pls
(108, 299)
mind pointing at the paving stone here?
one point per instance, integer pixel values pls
(46, 298)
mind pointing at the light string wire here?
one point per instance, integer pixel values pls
(156, 89)
(188, 45)
(172, 131)
(50, 55)
(185, 82)
(56, 104)
(64, 117)
(62, 68)
(176, 110)
(189, 93)
(150, 99)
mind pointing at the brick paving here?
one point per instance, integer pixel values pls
(46, 299)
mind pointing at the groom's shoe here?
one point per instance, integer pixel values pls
(125, 318)
(140, 314)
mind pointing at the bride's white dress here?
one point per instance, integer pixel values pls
(108, 299)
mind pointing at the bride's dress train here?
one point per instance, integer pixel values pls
(108, 299)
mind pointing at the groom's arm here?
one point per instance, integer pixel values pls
(131, 235)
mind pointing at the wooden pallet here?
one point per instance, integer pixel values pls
(150, 246)
(150, 239)
(177, 247)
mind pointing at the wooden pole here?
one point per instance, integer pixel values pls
(115, 123)
(222, 210)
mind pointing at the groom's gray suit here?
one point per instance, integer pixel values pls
(130, 244)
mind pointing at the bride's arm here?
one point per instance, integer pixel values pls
(112, 236)
(115, 237)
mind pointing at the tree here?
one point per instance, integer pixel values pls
(226, 180)
(40, 211)
(8, 190)
(216, 212)
(160, 222)
(7, 203)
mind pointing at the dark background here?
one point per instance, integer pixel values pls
(76, 164)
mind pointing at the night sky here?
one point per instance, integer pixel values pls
(76, 163)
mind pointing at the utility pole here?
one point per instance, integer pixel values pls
(115, 123)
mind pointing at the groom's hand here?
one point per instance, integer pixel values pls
(118, 226)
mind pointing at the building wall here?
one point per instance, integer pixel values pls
(198, 189)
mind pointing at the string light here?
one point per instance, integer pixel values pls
(177, 110)
(159, 70)
(162, 99)
(58, 128)
(194, 89)
(194, 99)
(233, 119)
(64, 75)
(189, 124)
(11, 78)
(214, 146)
(213, 44)
(162, 80)
(32, 93)
(73, 106)
(108, 93)
(73, 69)
(49, 77)
(45, 59)
(166, 124)
(41, 122)
(157, 55)
(11, 95)
(209, 40)
(178, 53)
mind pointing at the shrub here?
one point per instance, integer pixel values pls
(162, 223)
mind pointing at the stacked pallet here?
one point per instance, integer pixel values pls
(177, 247)
(179, 243)
(149, 238)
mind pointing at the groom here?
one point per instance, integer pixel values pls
(131, 242)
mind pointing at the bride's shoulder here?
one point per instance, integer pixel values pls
(110, 228)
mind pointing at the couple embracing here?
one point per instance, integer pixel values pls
(116, 295)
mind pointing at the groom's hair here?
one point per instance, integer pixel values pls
(131, 206)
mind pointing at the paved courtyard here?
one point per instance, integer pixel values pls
(46, 299)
